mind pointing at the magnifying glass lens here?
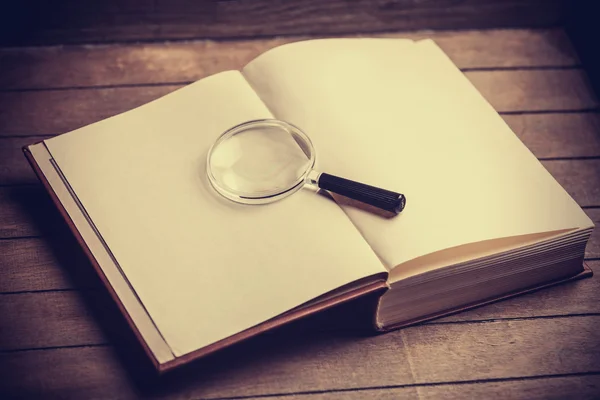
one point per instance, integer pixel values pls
(259, 160)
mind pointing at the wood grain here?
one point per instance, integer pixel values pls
(544, 90)
(558, 135)
(581, 178)
(278, 364)
(583, 387)
(559, 387)
(57, 111)
(14, 168)
(30, 264)
(150, 63)
(26, 211)
(64, 315)
(42, 264)
(271, 364)
(568, 345)
(88, 373)
(71, 22)
(592, 250)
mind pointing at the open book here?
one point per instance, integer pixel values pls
(194, 272)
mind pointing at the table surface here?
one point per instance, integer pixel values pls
(60, 335)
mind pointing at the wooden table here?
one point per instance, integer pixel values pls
(61, 337)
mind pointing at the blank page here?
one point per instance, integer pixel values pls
(400, 115)
(204, 268)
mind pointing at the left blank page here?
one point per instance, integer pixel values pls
(203, 267)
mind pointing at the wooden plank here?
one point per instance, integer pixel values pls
(51, 112)
(546, 135)
(558, 135)
(57, 111)
(265, 367)
(581, 178)
(70, 320)
(144, 63)
(71, 373)
(72, 22)
(593, 248)
(582, 387)
(30, 264)
(528, 348)
(14, 168)
(47, 319)
(544, 90)
(26, 211)
(559, 387)
(39, 264)
(406, 392)
(282, 363)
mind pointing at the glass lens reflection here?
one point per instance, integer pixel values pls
(260, 159)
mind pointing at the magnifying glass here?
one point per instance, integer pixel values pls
(262, 161)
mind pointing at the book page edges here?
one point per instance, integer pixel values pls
(585, 273)
(143, 327)
(472, 251)
(136, 316)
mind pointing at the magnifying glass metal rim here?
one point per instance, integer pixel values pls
(267, 196)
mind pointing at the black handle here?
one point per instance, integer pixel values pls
(377, 197)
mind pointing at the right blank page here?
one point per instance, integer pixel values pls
(400, 115)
